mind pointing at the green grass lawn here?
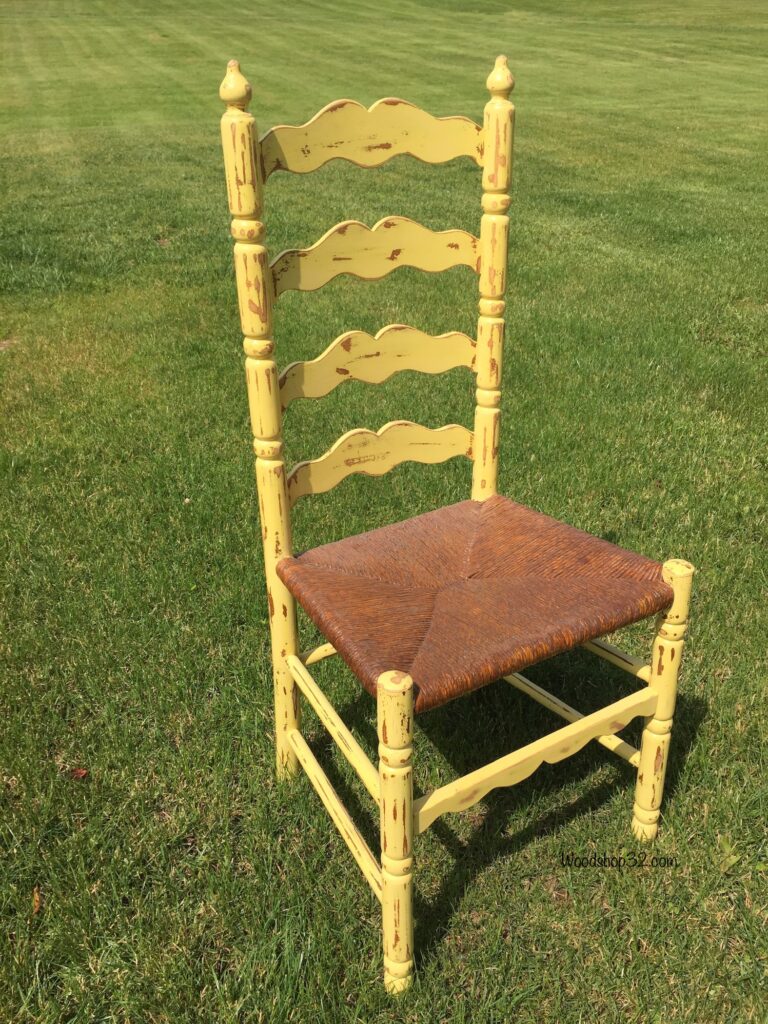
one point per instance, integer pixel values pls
(152, 870)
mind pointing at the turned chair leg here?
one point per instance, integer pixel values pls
(395, 727)
(665, 666)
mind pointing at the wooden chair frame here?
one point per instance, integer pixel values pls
(369, 137)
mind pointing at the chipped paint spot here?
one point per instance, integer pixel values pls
(342, 371)
(659, 667)
(379, 145)
(359, 460)
(394, 254)
(453, 245)
(271, 602)
(658, 761)
(346, 343)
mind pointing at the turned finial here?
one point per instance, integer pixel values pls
(500, 82)
(235, 90)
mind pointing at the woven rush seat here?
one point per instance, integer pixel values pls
(458, 597)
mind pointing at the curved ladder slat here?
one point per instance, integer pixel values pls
(369, 137)
(371, 253)
(375, 453)
(356, 355)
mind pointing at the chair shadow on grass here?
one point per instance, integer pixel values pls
(487, 724)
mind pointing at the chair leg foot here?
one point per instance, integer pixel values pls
(395, 728)
(395, 983)
(645, 824)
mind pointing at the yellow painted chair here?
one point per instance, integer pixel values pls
(426, 610)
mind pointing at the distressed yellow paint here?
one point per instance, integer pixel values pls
(338, 731)
(319, 653)
(238, 133)
(498, 125)
(634, 666)
(548, 700)
(394, 693)
(666, 656)
(368, 137)
(514, 767)
(363, 451)
(238, 140)
(372, 253)
(356, 355)
(338, 812)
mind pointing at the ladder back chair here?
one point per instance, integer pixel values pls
(425, 610)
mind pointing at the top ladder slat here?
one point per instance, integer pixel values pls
(369, 137)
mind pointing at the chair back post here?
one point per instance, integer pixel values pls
(255, 296)
(498, 124)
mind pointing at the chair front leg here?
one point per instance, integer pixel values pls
(395, 728)
(665, 666)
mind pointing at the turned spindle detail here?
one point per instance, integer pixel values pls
(665, 666)
(255, 296)
(394, 695)
(498, 124)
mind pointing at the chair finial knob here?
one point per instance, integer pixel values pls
(235, 90)
(500, 82)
